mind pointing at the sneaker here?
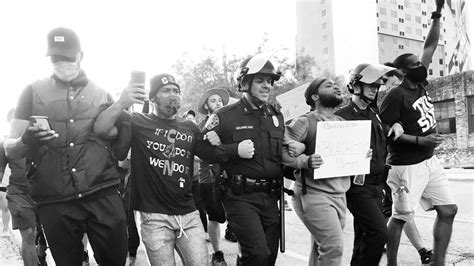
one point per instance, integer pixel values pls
(41, 255)
(131, 261)
(218, 259)
(230, 236)
(425, 255)
(42, 260)
(85, 258)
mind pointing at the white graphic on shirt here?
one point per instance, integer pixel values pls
(427, 118)
(170, 151)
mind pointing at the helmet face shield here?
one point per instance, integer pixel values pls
(257, 64)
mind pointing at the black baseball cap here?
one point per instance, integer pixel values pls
(63, 42)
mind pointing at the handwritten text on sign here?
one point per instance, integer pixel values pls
(343, 146)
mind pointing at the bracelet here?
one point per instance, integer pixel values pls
(416, 140)
(435, 15)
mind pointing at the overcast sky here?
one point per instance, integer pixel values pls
(119, 36)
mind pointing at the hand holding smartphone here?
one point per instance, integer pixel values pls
(40, 121)
(38, 132)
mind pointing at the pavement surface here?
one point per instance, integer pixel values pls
(460, 250)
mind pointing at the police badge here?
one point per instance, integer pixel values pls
(212, 122)
(275, 120)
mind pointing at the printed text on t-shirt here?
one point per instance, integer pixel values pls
(427, 118)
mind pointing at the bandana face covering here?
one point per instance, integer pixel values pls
(66, 71)
(169, 104)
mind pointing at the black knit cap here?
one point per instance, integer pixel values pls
(312, 89)
(159, 81)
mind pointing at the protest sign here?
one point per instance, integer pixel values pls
(293, 102)
(343, 146)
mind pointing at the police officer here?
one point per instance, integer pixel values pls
(364, 198)
(251, 132)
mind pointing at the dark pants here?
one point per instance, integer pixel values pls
(101, 217)
(370, 230)
(133, 236)
(254, 219)
(199, 203)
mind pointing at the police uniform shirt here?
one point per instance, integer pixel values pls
(264, 126)
(377, 134)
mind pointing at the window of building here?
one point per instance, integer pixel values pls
(406, 3)
(382, 11)
(425, 26)
(402, 33)
(441, 61)
(383, 24)
(381, 38)
(430, 71)
(394, 40)
(418, 32)
(323, 1)
(423, 13)
(382, 51)
(325, 25)
(323, 13)
(417, 19)
(394, 27)
(408, 30)
(418, 6)
(470, 112)
(401, 20)
(326, 50)
(441, 73)
(400, 46)
(393, 13)
(407, 17)
(445, 116)
(393, 2)
(400, 7)
(423, 1)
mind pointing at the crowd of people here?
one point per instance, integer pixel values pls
(96, 163)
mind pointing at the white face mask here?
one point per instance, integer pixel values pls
(66, 71)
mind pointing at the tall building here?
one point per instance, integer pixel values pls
(340, 34)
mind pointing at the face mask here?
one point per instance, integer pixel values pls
(66, 71)
(169, 104)
(417, 74)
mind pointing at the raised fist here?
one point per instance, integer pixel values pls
(246, 149)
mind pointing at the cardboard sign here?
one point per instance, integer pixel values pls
(343, 146)
(293, 103)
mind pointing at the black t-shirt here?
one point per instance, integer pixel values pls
(415, 110)
(162, 164)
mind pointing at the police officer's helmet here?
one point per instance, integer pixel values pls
(368, 74)
(257, 64)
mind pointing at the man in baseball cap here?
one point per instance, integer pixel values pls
(76, 195)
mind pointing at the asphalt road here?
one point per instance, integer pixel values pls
(460, 251)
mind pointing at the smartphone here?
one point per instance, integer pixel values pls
(40, 121)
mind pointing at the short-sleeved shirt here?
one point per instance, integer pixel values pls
(162, 158)
(415, 110)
